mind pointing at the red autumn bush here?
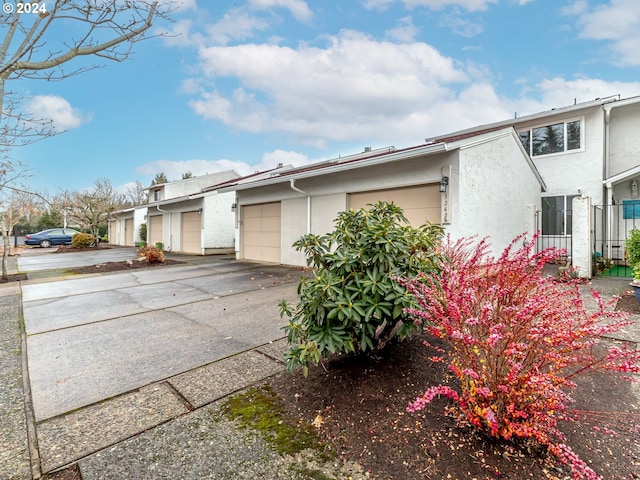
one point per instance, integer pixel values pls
(517, 340)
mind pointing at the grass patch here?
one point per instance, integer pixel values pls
(261, 409)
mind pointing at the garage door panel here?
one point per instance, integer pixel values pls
(190, 232)
(420, 204)
(261, 232)
(128, 232)
(155, 229)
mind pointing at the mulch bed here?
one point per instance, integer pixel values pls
(120, 266)
(360, 405)
(16, 277)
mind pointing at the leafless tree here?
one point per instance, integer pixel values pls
(91, 208)
(32, 48)
(13, 174)
(136, 194)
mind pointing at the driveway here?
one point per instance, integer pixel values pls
(93, 338)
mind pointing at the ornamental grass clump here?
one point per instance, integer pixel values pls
(517, 340)
(351, 303)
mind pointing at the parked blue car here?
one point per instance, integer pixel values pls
(52, 236)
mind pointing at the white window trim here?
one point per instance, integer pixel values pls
(565, 121)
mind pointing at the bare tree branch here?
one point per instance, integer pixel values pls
(32, 48)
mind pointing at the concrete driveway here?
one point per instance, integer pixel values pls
(93, 338)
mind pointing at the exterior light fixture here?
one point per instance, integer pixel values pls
(234, 207)
(200, 211)
(443, 184)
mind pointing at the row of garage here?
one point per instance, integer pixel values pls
(261, 224)
(260, 217)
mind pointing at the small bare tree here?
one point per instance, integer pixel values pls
(32, 48)
(136, 194)
(91, 208)
(12, 204)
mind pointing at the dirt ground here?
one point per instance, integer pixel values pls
(360, 407)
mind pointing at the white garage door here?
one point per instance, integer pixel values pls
(190, 232)
(155, 229)
(261, 232)
(421, 204)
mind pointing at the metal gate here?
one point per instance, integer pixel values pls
(612, 226)
(562, 243)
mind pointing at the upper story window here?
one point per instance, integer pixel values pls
(156, 195)
(549, 139)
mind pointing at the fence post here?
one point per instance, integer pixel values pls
(581, 236)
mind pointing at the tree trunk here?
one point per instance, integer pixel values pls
(5, 255)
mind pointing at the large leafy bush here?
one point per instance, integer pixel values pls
(350, 303)
(517, 340)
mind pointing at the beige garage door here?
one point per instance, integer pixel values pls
(421, 203)
(128, 232)
(261, 232)
(190, 232)
(155, 229)
(112, 232)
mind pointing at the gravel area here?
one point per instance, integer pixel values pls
(14, 452)
(205, 445)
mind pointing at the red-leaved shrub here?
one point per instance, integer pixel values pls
(517, 339)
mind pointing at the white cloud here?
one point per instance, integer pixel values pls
(405, 31)
(460, 26)
(182, 34)
(380, 5)
(56, 109)
(174, 169)
(617, 22)
(470, 5)
(181, 5)
(298, 8)
(559, 92)
(346, 90)
(236, 24)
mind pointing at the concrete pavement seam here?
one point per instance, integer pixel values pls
(30, 417)
(179, 396)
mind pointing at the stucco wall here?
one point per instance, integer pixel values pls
(293, 214)
(624, 135)
(218, 232)
(493, 193)
(196, 184)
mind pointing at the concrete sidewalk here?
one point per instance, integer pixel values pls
(159, 425)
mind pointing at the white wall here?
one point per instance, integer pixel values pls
(293, 225)
(581, 238)
(192, 185)
(218, 229)
(624, 135)
(493, 193)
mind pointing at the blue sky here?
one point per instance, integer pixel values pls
(246, 84)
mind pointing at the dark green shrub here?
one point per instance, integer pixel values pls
(351, 303)
(81, 240)
(143, 233)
